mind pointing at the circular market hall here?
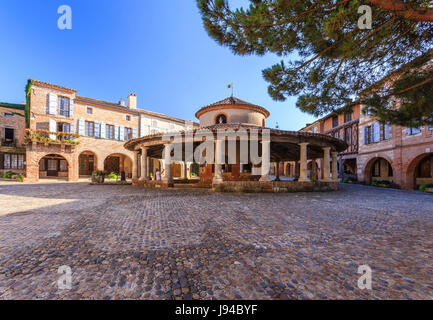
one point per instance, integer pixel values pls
(244, 155)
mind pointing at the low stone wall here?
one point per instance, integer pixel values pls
(156, 184)
(276, 186)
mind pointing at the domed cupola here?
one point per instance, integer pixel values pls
(232, 110)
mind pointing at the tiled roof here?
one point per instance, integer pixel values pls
(232, 101)
(12, 105)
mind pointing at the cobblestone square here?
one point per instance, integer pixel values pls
(123, 242)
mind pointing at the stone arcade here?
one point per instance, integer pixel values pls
(222, 173)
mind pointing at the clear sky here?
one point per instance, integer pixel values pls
(156, 49)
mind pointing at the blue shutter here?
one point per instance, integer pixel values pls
(386, 131)
(409, 131)
(97, 129)
(365, 135)
(134, 133)
(71, 108)
(72, 130)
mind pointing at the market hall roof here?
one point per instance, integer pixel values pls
(284, 144)
(232, 103)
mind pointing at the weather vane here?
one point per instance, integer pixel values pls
(230, 86)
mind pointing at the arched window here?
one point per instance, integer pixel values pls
(221, 119)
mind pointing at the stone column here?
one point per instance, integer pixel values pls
(167, 178)
(297, 170)
(135, 165)
(334, 166)
(218, 176)
(303, 163)
(313, 170)
(266, 158)
(144, 167)
(326, 169)
(277, 171)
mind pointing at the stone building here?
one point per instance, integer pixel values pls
(343, 126)
(70, 136)
(380, 152)
(12, 130)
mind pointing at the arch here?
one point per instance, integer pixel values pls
(118, 163)
(53, 165)
(87, 163)
(221, 118)
(415, 172)
(378, 169)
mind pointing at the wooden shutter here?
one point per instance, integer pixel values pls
(52, 104)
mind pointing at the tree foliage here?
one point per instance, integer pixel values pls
(330, 63)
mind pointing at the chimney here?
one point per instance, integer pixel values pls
(132, 101)
(122, 102)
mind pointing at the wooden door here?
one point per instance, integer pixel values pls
(52, 167)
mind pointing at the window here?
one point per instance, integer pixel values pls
(372, 133)
(63, 165)
(63, 106)
(412, 131)
(9, 115)
(347, 117)
(221, 119)
(89, 129)
(154, 123)
(386, 131)
(128, 118)
(335, 121)
(64, 127)
(89, 111)
(376, 169)
(109, 131)
(13, 161)
(128, 134)
(9, 136)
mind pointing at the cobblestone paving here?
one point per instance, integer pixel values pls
(127, 243)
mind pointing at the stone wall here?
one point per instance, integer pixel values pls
(276, 186)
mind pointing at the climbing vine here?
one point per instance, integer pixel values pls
(27, 108)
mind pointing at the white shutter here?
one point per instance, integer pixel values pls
(81, 127)
(52, 104)
(116, 132)
(71, 108)
(134, 133)
(102, 133)
(53, 128)
(122, 133)
(97, 129)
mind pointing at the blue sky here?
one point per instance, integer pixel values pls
(156, 49)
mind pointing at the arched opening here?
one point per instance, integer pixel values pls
(379, 169)
(118, 163)
(86, 163)
(221, 118)
(53, 166)
(423, 173)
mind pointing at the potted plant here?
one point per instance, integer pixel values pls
(98, 176)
